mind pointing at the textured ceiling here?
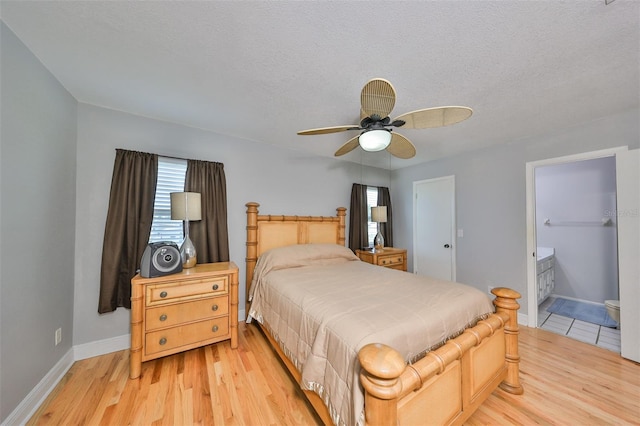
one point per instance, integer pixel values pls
(264, 70)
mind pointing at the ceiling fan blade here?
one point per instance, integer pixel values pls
(435, 117)
(378, 97)
(325, 130)
(348, 147)
(401, 147)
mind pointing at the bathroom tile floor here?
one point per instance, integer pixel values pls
(605, 337)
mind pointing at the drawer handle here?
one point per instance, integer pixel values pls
(163, 294)
(384, 262)
(215, 328)
(163, 317)
(215, 286)
(163, 341)
(214, 308)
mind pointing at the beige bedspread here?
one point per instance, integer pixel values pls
(322, 304)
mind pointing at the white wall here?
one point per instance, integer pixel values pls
(282, 181)
(490, 198)
(575, 197)
(37, 220)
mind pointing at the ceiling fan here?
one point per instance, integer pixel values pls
(377, 99)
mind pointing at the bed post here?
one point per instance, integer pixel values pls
(252, 244)
(505, 301)
(381, 369)
(342, 213)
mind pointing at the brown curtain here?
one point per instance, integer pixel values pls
(359, 218)
(126, 233)
(384, 199)
(209, 235)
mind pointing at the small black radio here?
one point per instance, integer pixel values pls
(160, 258)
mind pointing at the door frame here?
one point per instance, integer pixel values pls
(454, 243)
(532, 298)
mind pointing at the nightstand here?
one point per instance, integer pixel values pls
(182, 311)
(389, 257)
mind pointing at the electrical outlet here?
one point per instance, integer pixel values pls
(58, 336)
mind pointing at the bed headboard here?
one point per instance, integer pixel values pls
(265, 232)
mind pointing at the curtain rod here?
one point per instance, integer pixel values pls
(174, 158)
(167, 156)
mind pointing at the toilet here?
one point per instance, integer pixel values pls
(613, 309)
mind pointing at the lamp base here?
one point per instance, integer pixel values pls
(188, 253)
(378, 242)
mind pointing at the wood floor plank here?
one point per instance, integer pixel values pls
(565, 382)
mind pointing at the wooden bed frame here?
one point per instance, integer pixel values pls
(444, 387)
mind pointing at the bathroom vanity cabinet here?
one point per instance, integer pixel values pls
(545, 280)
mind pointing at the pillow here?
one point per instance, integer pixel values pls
(297, 255)
(306, 254)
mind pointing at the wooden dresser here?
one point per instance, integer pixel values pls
(389, 257)
(182, 311)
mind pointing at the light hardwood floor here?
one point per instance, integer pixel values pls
(566, 382)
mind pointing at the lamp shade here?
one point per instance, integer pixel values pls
(375, 140)
(185, 206)
(379, 214)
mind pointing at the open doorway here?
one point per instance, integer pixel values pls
(563, 226)
(577, 250)
(627, 221)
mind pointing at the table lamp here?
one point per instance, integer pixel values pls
(379, 215)
(186, 206)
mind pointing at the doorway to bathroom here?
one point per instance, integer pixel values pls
(577, 253)
(572, 241)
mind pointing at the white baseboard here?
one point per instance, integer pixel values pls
(38, 394)
(577, 300)
(101, 347)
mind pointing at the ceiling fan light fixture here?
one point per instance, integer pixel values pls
(375, 140)
(377, 100)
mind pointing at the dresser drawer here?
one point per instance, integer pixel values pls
(170, 315)
(185, 290)
(390, 260)
(172, 338)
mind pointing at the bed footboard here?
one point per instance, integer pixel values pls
(448, 384)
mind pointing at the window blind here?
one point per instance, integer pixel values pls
(372, 201)
(171, 175)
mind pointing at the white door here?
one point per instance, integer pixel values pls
(628, 219)
(434, 224)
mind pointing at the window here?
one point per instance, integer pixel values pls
(372, 201)
(171, 175)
